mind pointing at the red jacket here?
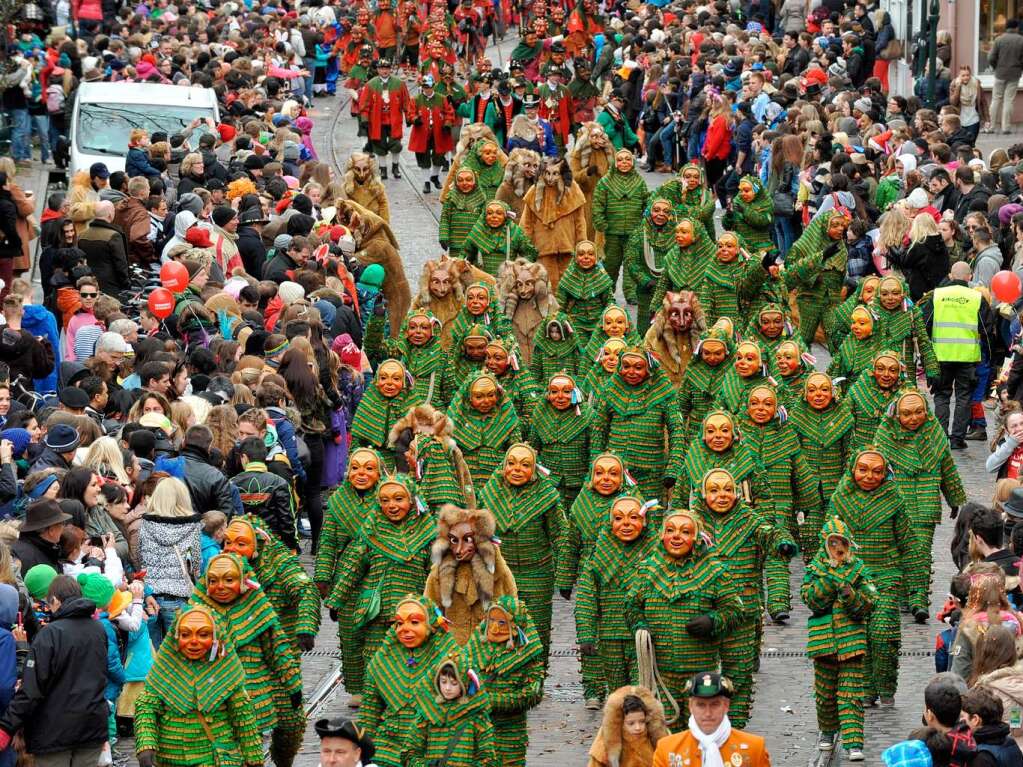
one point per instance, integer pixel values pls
(435, 116)
(560, 115)
(371, 107)
(718, 143)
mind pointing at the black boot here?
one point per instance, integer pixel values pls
(446, 166)
(426, 187)
(383, 173)
(435, 180)
(395, 170)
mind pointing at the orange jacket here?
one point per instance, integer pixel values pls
(740, 750)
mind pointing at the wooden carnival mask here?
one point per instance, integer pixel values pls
(477, 300)
(419, 330)
(390, 378)
(608, 475)
(681, 310)
(610, 353)
(615, 322)
(498, 358)
(240, 539)
(628, 518)
(196, 634)
(746, 191)
(839, 550)
(395, 500)
(585, 255)
(869, 470)
(559, 392)
(788, 357)
(678, 535)
(719, 491)
(886, 371)
(465, 181)
(718, 431)
(519, 465)
(748, 361)
(890, 293)
(819, 392)
(462, 541)
(911, 410)
(635, 368)
(624, 161)
(691, 178)
(499, 625)
(496, 215)
(442, 282)
(869, 289)
(837, 226)
(713, 351)
(728, 248)
(684, 233)
(762, 405)
(660, 212)
(410, 623)
(223, 580)
(862, 323)
(488, 153)
(363, 469)
(771, 323)
(483, 395)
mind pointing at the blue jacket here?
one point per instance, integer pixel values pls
(286, 436)
(137, 164)
(210, 549)
(550, 149)
(138, 656)
(115, 668)
(39, 321)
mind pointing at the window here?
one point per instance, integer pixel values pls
(104, 128)
(992, 15)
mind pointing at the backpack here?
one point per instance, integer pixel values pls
(54, 99)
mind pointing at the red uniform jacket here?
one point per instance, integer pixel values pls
(373, 110)
(436, 117)
(560, 114)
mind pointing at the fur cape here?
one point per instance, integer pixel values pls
(371, 195)
(425, 419)
(515, 184)
(606, 750)
(463, 274)
(674, 350)
(544, 300)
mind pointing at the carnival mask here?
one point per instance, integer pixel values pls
(820, 392)
(719, 491)
(627, 519)
(609, 354)
(390, 378)
(475, 348)
(912, 411)
(196, 634)
(787, 356)
(891, 294)
(772, 324)
(465, 181)
(691, 177)
(440, 283)
(762, 405)
(552, 174)
(488, 153)
(837, 226)
(747, 360)
(559, 392)
(223, 580)
(462, 542)
(746, 191)
(410, 624)
(361, 169)
(477, 300)
(483, 395)
(624, 161)
(886, 371)
(869, 289)
(615, 323)
(530, 167)
(862, 323)
(395, 501)
(419, 330)
(498, 359)
(718, 432)
(363, 470)
(585, 255)
(678, 535)
(680, 316)
(869, 470)
(660, 212)
(608, 474)
(519, 465)
(499, 625)
(635, 369)
(713, 352)
(496, 215)
(684, 233)
(728, 248)
(838, 550)
(240, 539)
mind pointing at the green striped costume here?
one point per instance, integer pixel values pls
(483, 438)
(882, 528)
(489, 247)
(734, 389)
(179, 691)
(699, 385)
(426, 364)
(825, 437)
(518, 383)
(583, 296)
(637, 422)
(904, 330)
(645, 257)
(744, 540)
(459, 365)
(665, 594)
(754, 220)
(732, 289)
(466, 720)
(552, 356)
(561, 439)
(347, 510)
(488, 177)
(599, 336)
(685, 266)
(492, 319)
(388, 561)
(868, 403)
(840, 322)
(816, 270)
(437, 472)
(840, 596)
(458, 215)
(583, 523)
(854, 357)
(512, 674)
(924, 472)
(376, 415)
(529, 521)
(697, 204)
(388, 708)
(619, 200)
(272, 671)
(594, 381)
(755, 332)
(605, 580)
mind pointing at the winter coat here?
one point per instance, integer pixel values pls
(1007, 685)
(252, 250)
(137, 164)
(161, 541)
(39, 321)
(924, 265)
(610, 746)
(268, 496)
(1006, 56)
(10, 238)
(280, 268)
(48, 459)
(25, 208)
(207, 485)
(115, 667)
(98, 523)
(82, 199)
(106, 250)
(61, 704)
(26, 356)
(792, 16)
(31, 550)
(133, 220)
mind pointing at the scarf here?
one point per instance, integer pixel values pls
(710, 745)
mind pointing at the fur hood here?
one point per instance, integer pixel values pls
(348, 182)
(584, 147)
(513, 173)
(424, 419)
(484, 562)
(544, 301)
(607, 747)
(672, 341)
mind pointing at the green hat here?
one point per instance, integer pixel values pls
(709, 684)
(38, 580)
(97, 588)
(372, 276)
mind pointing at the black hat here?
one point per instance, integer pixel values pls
(530, 102)
(253, 215)
(383, 62)
(73, 398)
(709, 684)
(214, 184)
(43, 514)
(1014, 505)
(558, 47)
(349, 730)
(253, 162)
(223, 214)
(503, 87)
(486, 77)
(98, 170)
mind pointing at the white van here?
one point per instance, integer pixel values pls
(106, 113)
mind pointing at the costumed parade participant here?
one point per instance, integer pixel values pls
(870, 396)
(675, 332)
(815, 269)
(901, 327)
(469, 571)
(556, 349)
(585, 289)
(686, 262)
(513, 377)
(646, 253)
(528, 302)
(734, 281)
(700, 382)
(603, 369)
(633, 723)
(494, 239)
(481, 310)
(614, 324)
(382, 117)
(424, 447)
(560, 434)
(485, 425)
(752, 215)
(506, 651)
(856, 353)
(691, 196)
(841, 319)
(590, 159)
(462, 208)
(430, 138)
(529, 519)
(361, 183)
(520, 173)
(619, 199)
(381, 406)
(791, 366)
(838, 590)
(418, 348)
(748, 369)
(770, 328)
(442, 287)
(467, 357)
(553, 217)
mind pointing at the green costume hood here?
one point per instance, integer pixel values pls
(474, 429)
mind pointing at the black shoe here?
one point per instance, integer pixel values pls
(446, 166)
(426, 187)
(957, 444)
(977, 434)
(395, 170)
(781, 617)
(920, 615)
(435, 180)
(383, 173)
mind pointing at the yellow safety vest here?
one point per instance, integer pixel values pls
(954, 331)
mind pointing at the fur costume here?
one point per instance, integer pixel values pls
(526, 315)
(516, 181)
(471, 135)
(554, 217)
(425, 447)
(375, 244)
(465, 589)
(462, 274)
(672, 348)
(611, 747)
(370, 194)
(591, 157)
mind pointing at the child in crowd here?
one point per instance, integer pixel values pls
(214, 525)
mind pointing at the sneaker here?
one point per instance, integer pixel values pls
(593, 704)
(854, 754)
(304, 530)
(825, 741)
(976, 434)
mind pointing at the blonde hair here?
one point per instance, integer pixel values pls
(893, 228)
(199, 407)
(923, 226)
(1003, 489)
(170, 499)
(223, 422)
(105, 458)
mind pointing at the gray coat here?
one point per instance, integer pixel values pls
(1006, 56)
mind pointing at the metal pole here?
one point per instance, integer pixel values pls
(932, 51)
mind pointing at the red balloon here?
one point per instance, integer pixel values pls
(161, 303)
(1006, 286)
(174, 276)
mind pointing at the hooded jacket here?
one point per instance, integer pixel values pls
(39, 321)
(611, 748)
(24, 355)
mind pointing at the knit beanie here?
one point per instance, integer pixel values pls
(372, 276)
(193, 267)
(223, 214)
(38, 580)
(290, 292)
(97, 588)
(20, 438)
(345, 348)
(282, 242)
(191, 202)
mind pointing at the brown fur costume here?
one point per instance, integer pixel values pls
(591, 158)
(471, 133)
(462, 275)
(610, 748)
(526, 315)
(675, 349)
(554, 217)
(371, 195)
(375, 244)
(426, 419)
(515, 185)
(464, 590)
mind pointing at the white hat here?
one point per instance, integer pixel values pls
(290, 292)
(918, 199)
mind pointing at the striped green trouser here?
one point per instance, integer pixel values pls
(511, 737)
(739, 650)
(838, 688)
(884, 636)
(618, 663)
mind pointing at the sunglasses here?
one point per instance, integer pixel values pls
(89, 295)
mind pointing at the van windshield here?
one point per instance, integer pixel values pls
(104, 128)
